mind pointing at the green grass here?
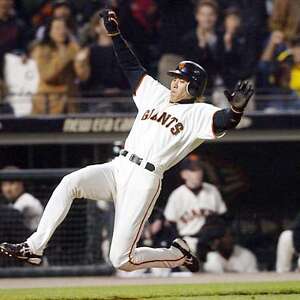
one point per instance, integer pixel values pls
(238, 291)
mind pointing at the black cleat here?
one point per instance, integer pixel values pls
(191, 261)
(21, 252)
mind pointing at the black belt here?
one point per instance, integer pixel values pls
(137, 160)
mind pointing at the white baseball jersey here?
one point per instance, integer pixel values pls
(189, 211)
(163, 132)
(241, 260)
(31, 208)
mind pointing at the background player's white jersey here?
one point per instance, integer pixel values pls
(189, 211)
(31, 208)
(241, 260)
(163, 132)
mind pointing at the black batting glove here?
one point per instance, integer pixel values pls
(110, 21)
(240, 96)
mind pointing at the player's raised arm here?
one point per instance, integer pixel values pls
(130, 64)
(229, 118)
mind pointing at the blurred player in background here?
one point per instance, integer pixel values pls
(190, 204)
(29, 206)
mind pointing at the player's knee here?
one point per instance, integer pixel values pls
(71, 182)
(120, 261)
(116, 260)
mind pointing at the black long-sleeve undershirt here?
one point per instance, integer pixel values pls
(129, 63)
(225, 119)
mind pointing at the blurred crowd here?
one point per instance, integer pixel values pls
(53, 53)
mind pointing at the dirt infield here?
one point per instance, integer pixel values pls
(109, 281)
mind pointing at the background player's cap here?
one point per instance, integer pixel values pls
(194, 73)
(192, 165)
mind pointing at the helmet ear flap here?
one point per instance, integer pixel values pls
(187, 89)
(192, 89)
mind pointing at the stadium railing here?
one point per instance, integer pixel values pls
(20, 104)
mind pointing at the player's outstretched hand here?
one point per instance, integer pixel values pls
(110, 21)
(240, 96)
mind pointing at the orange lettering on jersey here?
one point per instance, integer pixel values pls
(164, 118)
(154, 117)
(173, 119)
(146, 115)
(177, 128)
(183, 220)
(152, 111)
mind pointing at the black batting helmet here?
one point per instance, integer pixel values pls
(195, 74)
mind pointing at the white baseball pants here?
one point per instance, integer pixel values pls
(134, 191)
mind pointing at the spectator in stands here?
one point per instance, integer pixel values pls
(201, 45)
(236, 45)
(100, 72)
(189, 205)
(55, 58)
(288, 247)
(12, 32)
(254, 16)
(61, 9)
(285, 18)
(30, 207)
(280, 71)
(21, 78)
(274, 45)
(230, 257)
(176, 20)
(139, 23)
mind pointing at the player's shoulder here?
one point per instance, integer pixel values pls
(179, 191)
(149, 86)
(149, 80)
(198, 109)
(28, 198)
(209, 186)
(204, 106)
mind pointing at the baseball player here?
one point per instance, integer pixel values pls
(189, 205)
(168, 126)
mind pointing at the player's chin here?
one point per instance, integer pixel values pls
(174, 98)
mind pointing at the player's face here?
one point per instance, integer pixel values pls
(193, 178)
(11, 189)
(206, 17)
(178, 90)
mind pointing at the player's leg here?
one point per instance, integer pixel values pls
(93, 182)
(134, 204)
(285, 252)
